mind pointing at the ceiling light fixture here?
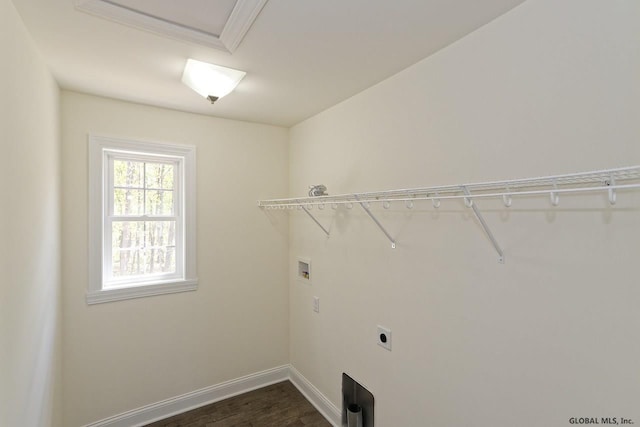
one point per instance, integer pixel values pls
(209, 80)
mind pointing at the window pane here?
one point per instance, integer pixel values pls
(127, 234)
(143, 247)
(159, 202)
(161, 260)
(127, 242)
(128, 263)
(127, 202)
(159, 175)
(160, 233)
(127, 173)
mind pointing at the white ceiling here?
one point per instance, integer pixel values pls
(301, 56)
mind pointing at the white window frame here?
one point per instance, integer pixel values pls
(102, 151)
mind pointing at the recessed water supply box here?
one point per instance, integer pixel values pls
(357, 404)
(304, 270)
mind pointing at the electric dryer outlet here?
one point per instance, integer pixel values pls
(384, 337)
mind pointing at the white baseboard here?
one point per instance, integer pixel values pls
(195, 399)
(317, 399)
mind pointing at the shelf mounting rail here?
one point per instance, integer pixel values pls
(607, 180)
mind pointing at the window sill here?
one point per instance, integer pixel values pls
(118, 294)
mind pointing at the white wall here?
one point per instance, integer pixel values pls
(551, 87)
(30, 364)
(123, 355)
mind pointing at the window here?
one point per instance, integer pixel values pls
(142, 219)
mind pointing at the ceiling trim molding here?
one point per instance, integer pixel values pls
(242, 17)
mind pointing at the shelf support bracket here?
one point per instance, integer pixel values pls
(314, 219)
(470, 203)
(386, 233)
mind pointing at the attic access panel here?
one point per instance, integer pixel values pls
(202, 15)
(221, 24)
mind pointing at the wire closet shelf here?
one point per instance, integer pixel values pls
(608, 180)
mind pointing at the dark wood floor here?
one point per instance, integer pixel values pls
(277, 405)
